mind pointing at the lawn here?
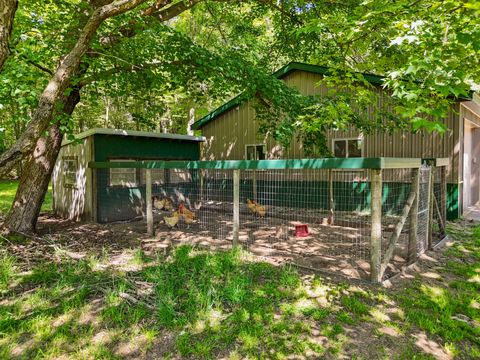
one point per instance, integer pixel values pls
(7, 194)
(193, 303)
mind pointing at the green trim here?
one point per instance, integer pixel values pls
(322, 163)
(453, 209)
(284, 71)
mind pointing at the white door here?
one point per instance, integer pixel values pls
(471, 159)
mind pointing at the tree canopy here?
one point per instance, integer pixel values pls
(157, 64)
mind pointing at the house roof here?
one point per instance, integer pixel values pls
(280, 73)
(119, 132)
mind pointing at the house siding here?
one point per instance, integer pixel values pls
(227, 136)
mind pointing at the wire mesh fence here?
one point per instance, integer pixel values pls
(316, 218)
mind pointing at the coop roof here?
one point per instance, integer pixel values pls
(281, 73)
(119, 132)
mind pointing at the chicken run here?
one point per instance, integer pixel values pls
(339, 220)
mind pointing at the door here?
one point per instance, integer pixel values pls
(471, 164)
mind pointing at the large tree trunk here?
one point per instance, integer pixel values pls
(7, 14)
(61, 79)
(35, 177)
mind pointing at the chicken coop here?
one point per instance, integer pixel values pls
(78, 193)
(363, 218)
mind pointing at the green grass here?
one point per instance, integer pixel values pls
(209, 305)
(7, 194)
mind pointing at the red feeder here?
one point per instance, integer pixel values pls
(301, 230)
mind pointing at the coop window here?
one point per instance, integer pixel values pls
(255, 152)
(180, 176)
(123, 176)
(347, 148)
(70, 167)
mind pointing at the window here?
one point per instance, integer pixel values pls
(123, 176)
(347, 148)
(255, 152)
(70, 166)
(158, 176)
(180, 176)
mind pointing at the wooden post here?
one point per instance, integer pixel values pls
(443, 194)
(331, 217)
(202, 184)
(376, 227)
(431, 194)
(412, 237)
(148, 195)
(236, 206)
(254, 184)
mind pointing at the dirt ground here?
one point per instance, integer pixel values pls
(340, 249)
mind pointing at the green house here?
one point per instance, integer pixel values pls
(82, 193)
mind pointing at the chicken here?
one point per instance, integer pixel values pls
(256, 208)
(165, 204)
(185, 212)
(157, 203)
(261, 210)
(173, 220)
(188, 218)
(251, 206)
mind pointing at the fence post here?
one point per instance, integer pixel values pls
(412, 236)
(376, 227)
(330, 197)
(443, 194)
(236, 206)
(431, 179)
(148, 195)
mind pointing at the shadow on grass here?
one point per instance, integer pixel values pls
(207, 303)
(199, 304)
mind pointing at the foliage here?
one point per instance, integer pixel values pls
(7, 194)
(143, 74)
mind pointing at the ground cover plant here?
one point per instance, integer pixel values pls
(130, 302)
(8, 188)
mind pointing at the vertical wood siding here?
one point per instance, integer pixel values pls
(229, 133)
(76, 202)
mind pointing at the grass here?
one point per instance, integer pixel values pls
(7, 194)
(205, 305)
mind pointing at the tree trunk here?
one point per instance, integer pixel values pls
(22, 217)
(7, 14)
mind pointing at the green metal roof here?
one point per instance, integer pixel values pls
(282, 72)
(120, 132)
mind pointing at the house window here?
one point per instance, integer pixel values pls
(126, 177)
(255, 152)
(347, 148)
(70, 167)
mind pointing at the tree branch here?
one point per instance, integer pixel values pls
(7, 15)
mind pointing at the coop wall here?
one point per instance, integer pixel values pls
(74, 199)
(227, 136)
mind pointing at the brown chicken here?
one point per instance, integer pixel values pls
(184, 211)
(187, 215)
(256, 208)
(173, 220)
